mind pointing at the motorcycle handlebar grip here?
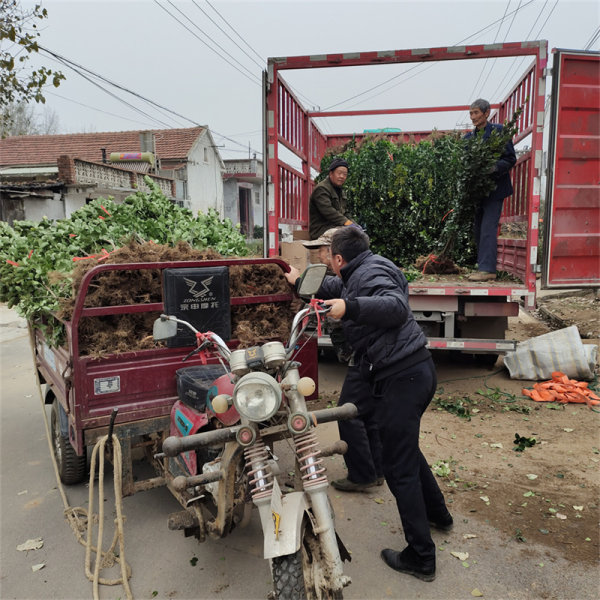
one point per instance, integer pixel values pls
(339, 413)
(174, 445)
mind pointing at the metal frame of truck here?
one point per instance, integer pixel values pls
(459, 316)
(140, 383)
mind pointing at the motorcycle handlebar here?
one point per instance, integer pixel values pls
(174, 445)
(222, 347)
(339, 413)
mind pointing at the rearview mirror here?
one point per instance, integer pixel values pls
(164, 329)
(311, 280)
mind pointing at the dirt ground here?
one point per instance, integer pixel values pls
(546, 494)
(581, 309)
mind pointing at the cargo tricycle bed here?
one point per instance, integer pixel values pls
(85, 390)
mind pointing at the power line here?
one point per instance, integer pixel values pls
(78, 68)
(94, 108)
(263, 61)
(419, 65)
(593, 39)
(96, 84)
(260, 65)
(494, 63)
(234, 141)
(236, 33)
(215, 43)
(73, 64)
(255, 80)
(487, 59)
(512, 66)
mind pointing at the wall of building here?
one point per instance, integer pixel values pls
(205, 177)
(246, 173)
(37, 208)
(257, 205)
(230, 200)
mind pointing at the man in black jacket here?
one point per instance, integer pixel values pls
(370, 295)
(487, 215)
(363, 457)
(327, 205)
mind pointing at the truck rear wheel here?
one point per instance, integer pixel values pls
(71, 467)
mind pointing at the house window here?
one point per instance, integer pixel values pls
(206, 155)
(256, 198)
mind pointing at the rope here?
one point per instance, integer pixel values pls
(107, 559)
(78, 518)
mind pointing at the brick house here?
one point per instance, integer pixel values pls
(54, 175)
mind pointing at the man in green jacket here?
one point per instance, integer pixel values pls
(328, 201)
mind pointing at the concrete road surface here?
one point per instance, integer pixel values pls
(164, 563)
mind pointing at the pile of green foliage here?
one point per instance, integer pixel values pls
(420, 199)
(37, 259)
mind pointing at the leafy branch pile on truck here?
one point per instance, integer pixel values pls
(419, 200)
(42, 264)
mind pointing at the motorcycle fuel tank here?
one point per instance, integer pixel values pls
(187, 420)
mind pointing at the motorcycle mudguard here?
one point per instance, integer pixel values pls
(281, 521)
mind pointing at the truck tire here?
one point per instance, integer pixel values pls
(71, 467)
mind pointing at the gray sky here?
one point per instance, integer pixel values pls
(139, 46)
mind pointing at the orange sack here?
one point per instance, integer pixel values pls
(562, 389)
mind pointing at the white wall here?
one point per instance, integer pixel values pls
(257, 204)
(231, 200)
(38, 208)
(205, 178)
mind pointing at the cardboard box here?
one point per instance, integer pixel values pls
(295, 254)
(301, 234)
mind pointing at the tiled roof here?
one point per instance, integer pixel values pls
(45, 149)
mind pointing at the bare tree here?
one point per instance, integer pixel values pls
(20, 83)
(26, 119)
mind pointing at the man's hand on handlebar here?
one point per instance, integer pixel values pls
(338, 308)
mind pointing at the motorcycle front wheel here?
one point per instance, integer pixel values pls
(302, 575)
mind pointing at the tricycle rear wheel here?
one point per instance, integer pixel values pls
(71, 467)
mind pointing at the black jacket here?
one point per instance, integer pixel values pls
(504, 164)
(378, 323)
(326, 208)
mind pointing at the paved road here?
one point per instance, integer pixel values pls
(232, 568)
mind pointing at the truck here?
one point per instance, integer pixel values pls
(456, 314)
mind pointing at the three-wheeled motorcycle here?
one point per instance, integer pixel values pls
(207, 415)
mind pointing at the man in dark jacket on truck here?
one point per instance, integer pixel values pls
(487, 215)
(327, 204)
(370, 295)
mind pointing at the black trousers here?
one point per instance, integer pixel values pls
(400, 400)
(363, 457)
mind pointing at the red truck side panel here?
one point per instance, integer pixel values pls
(572, 224)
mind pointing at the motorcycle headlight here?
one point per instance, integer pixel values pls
(257, 396)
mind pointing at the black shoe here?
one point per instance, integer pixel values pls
(345, 485)
(445, 524)
(380, 481)
(406, 562)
